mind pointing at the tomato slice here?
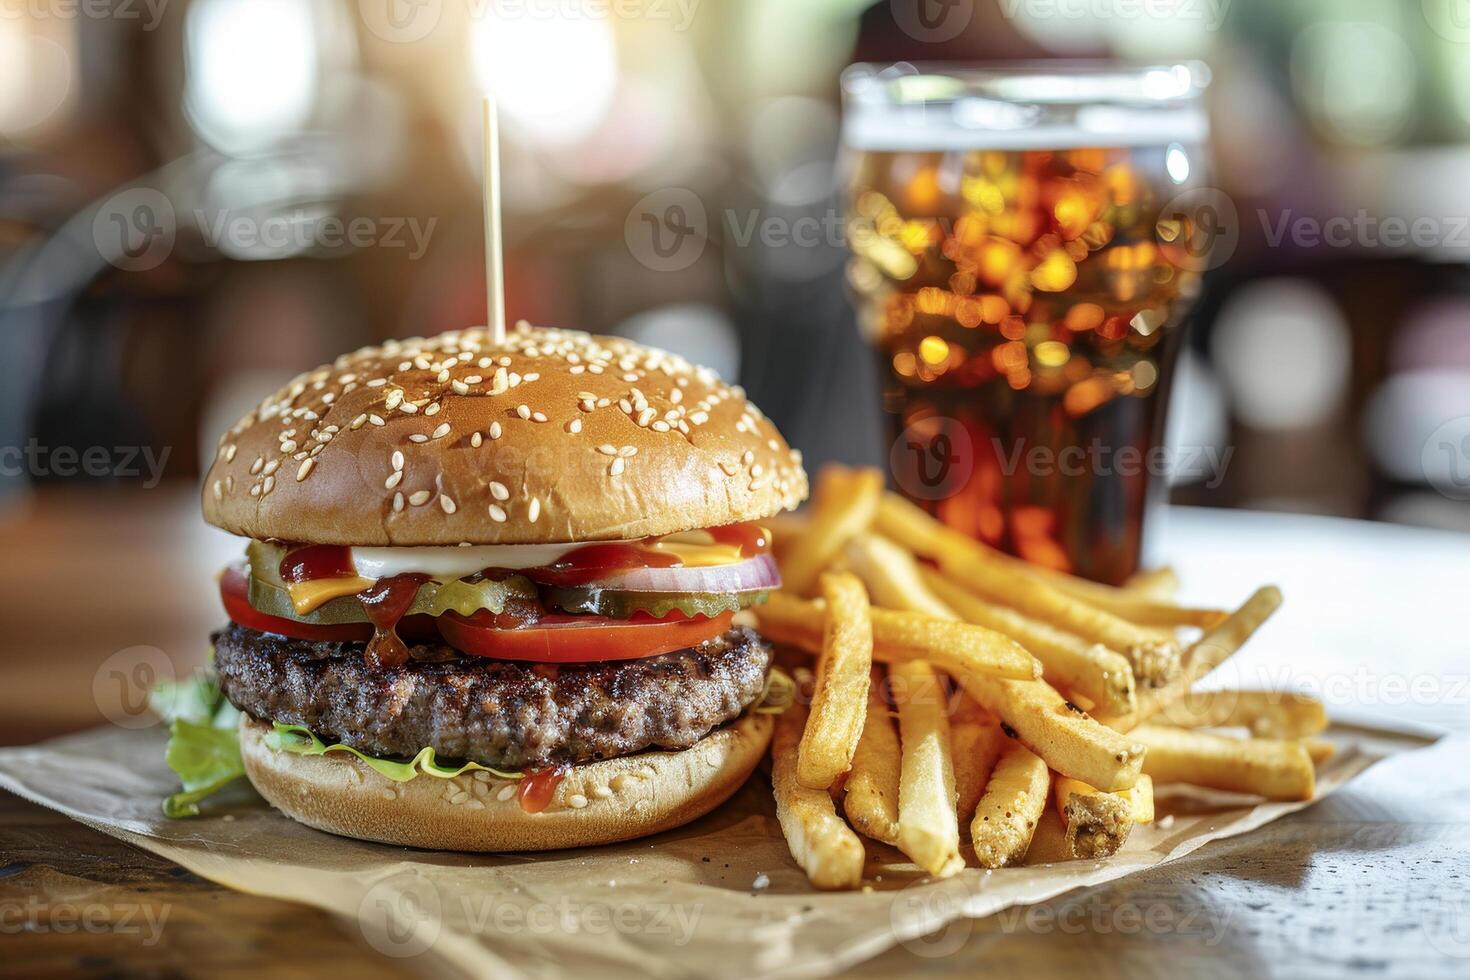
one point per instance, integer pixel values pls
(234, 592)
(579, 639)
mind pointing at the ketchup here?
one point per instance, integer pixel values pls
(592, 562)
(748, 536)
(537, 787)
(308, 562)
(385, 602)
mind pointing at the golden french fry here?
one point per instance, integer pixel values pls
(1013, 802)
(785, 528)
(1062, 734)
(1156, 583)
(844, 505)
(870, 798)
(1049, 841)
(839, 701)
(959, 554)
(1319, 749)
(1208, 652)
(826, 848)
(892, 576)
(1098, 824)
(1268, 714)
(928, 828)
(1102, 676)
(900, 635)
(975, 744)
(1277, 770)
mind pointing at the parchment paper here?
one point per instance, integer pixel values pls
(718, 898)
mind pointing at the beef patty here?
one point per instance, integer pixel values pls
(501, 713)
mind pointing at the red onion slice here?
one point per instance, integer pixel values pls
(751, 575)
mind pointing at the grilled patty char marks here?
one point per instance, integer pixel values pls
(501, 713)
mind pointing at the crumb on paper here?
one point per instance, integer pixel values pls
(761, 883)
(1166, 822)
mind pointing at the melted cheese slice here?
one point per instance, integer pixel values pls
(306, 596)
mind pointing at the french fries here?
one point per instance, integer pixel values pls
(1069, 664)
(822, 844)
(975, 744)
(1045, 749)
(900, 635)
(1013, 802)
(1277, 770)
(928, 827)
(1098, 824)
(839, 701)
(870, 794)
(1208, 652)
(844, 505)
(1268, 714)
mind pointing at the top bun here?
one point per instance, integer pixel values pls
(549, 436)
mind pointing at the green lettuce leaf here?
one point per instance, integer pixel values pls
(206, 758)
(302, 741)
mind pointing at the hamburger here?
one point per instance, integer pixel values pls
(491, 593)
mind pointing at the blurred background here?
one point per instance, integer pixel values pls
(200, 198)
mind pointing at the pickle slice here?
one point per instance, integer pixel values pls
(593, 601)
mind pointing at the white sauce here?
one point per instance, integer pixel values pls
(454, 562)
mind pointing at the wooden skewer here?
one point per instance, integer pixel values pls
(494, 266)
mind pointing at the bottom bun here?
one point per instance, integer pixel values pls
(597, 803)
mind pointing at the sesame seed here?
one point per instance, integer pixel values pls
(534, 510)
(476, 439)
(442, 376)
(289, 446)
(375, 419)
(538, 416)
(377, 382)
(646, 416)
(395, 478)
(575, 425)
(230, 451)
(441, 431)
(506, 792)
(397, 502)
(497, 513)
(601, 792)
(447, 504)
(256, 466)
(268, 486)
(419, 497)
(524, 411)
(304, 470)
(660, 426)
(616, 468)
(255, 490)
(498, 490)
(576, 801)
(433, 409)
(495, 430)
(627, 451)
(608, 449)
(397, 459)
(418, 437)
(219, 492)
(460, 388)
(408, 408)
(394, 399)
(676, 396)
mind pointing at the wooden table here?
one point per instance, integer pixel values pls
(1371, 882)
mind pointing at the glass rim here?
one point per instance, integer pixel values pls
(1057, 82)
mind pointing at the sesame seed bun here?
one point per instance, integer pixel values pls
(599, 803)
(550, 436)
